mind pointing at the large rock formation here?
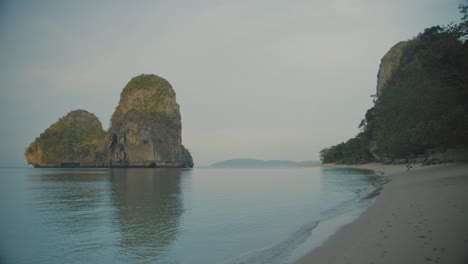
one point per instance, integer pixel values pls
(146, 126)
(145, 132)
(389, 62)
(76, 140)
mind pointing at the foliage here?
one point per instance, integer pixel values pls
(147, 93)
(353, 151)
(77, 137)
(142, 118)
(423, 105)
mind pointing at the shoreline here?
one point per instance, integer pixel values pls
(420, 217)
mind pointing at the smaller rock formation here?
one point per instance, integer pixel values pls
(76, 140)
(389, 62)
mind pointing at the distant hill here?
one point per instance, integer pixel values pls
(255, 163)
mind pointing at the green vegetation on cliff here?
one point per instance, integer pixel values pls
(77, 137)
(147, 93)
(423, 105)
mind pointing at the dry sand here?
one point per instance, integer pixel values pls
(421, 217)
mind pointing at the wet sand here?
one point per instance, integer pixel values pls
(421, 217)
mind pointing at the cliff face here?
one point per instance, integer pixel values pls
(390, 61)
(146, 126)
(77, 139)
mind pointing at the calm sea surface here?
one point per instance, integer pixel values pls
(175, 216)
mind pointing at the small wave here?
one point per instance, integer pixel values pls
(363, 196)
(376, 192)
(279, 253)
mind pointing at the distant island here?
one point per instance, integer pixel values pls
(145, 132)
(255, 163)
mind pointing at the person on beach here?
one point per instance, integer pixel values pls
(408, 165)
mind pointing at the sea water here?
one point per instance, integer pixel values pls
(201, 215)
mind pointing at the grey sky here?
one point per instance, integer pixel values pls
(261, 79)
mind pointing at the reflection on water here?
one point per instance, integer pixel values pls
(170, 215)
(138, 210)
(70, 201)
(149, 206)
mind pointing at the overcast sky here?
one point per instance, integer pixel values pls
(255, 79)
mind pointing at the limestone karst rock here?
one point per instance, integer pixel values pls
(76, 140)
(145, 132)
(389, 62)
(146, 126)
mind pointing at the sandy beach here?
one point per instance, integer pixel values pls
(421, 217)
